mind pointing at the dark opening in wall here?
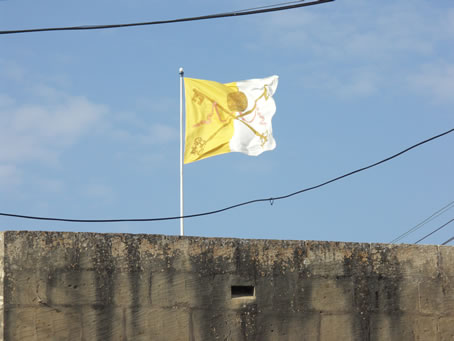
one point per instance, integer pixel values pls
(242, 291)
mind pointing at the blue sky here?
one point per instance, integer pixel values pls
(89, 120)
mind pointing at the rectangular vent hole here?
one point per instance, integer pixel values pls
(243, 291)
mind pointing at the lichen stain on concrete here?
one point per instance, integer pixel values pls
(128, 287)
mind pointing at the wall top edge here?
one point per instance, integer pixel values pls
(163, 237)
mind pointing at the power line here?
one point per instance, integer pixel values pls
(271, 200)
(436, 230)
(446, 242)
(257, 10)
(425, 221)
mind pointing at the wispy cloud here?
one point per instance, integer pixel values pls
(378, 32)
(11, 71)
(98, 193)
(40, 131)
(49, 184)
(6, 101)
(387, 38)
(10, 176)
(159, 134)
(40, 120)
(435, 80)
(152, 128)
(39, 126)
(358, 82)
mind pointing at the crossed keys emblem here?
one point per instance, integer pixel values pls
(236, 102)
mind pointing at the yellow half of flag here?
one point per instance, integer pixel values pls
(232, 117)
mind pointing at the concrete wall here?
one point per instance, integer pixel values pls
(84, 286)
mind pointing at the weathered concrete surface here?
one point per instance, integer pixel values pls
(86, 286)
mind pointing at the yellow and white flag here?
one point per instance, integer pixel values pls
(232, 117)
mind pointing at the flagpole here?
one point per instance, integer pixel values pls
(181, 154)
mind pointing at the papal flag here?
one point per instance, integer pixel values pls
(232, 117)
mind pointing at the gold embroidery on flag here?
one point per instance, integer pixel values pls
(236, 102)
(198, 146)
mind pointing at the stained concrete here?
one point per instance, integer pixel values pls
(87, 286)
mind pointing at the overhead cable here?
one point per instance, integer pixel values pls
(436, 230)
(425, 221)
(250, 11)
(270, 200)
(449, 240)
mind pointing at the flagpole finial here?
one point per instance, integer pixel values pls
(181, 71)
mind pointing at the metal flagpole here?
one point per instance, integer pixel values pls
(181, 154)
